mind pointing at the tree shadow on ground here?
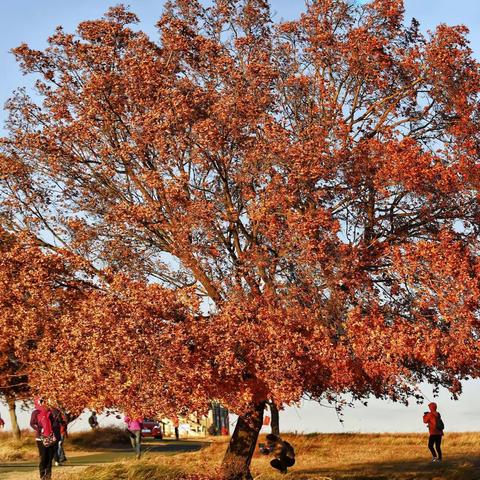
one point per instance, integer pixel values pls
(453, 468)
(110, 455)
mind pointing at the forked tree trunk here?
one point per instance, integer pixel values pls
(13, 418)
(275, 419)
(236, 462)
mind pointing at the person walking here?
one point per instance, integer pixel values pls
(134, 428)
(59, 425)
(41, 422)
(93, 421)
(283, 452)
(435, 428)
(176, 424)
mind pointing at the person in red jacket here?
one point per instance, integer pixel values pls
(41, 422)
(435, 429)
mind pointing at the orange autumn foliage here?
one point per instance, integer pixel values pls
(271, 209)
(35, 288)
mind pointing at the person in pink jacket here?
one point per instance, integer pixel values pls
(435, 429)
(41, 423)
(134, 428)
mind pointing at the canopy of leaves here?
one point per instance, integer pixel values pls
(34, 290)
(313, 183)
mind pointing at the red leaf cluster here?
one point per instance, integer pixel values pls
(267, 210)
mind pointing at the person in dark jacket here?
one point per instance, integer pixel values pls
(59, 425)
(432, 418)
(283, 452)
(92, 420)
(41, 422)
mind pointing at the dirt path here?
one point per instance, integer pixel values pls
(77, 460)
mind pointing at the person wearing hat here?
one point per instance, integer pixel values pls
(435, 428)
(41, 422)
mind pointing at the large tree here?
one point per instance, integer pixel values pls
(304, 194)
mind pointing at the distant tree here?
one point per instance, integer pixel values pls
(313, 183)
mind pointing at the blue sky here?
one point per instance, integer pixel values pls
(32, 21)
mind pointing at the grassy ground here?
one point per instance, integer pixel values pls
(25, 448)
(12, 450)
(319, 457)
(101, 439)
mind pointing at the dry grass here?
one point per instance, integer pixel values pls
(100, 439)
(58, 474)
(12, 450)
(25, 448)
(320, 457)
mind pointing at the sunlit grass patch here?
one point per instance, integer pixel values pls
(12, 450)
(319, 457)
(138, 470)
(26, 449)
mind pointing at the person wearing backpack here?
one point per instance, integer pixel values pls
(435, 428)
(41, 422)
(92, 420)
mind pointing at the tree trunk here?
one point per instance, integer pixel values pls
(236, 462)
(13, 418)
(275, 419)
